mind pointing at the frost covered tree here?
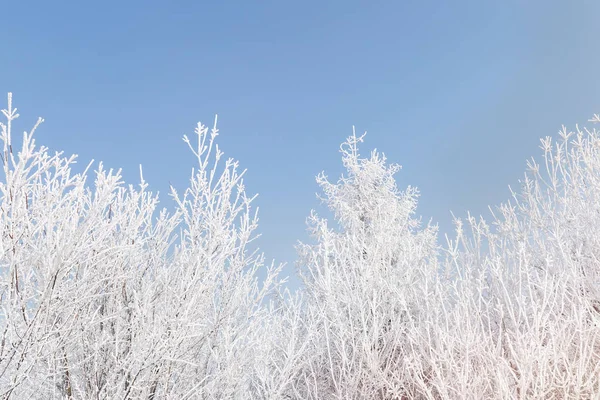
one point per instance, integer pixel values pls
(367, 282)
(523, 319)
(103, 295)
(511, 311)
(69, 256)
(212, 303)
(99, 296)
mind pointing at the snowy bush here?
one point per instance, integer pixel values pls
(510, 310)
(100, 298)
(527, 300)
(104, 295)
(368, 282)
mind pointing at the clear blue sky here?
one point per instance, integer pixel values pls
(457, 92)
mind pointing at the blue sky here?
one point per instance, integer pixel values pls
(459, 93)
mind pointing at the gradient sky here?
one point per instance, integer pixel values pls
(457, 92)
